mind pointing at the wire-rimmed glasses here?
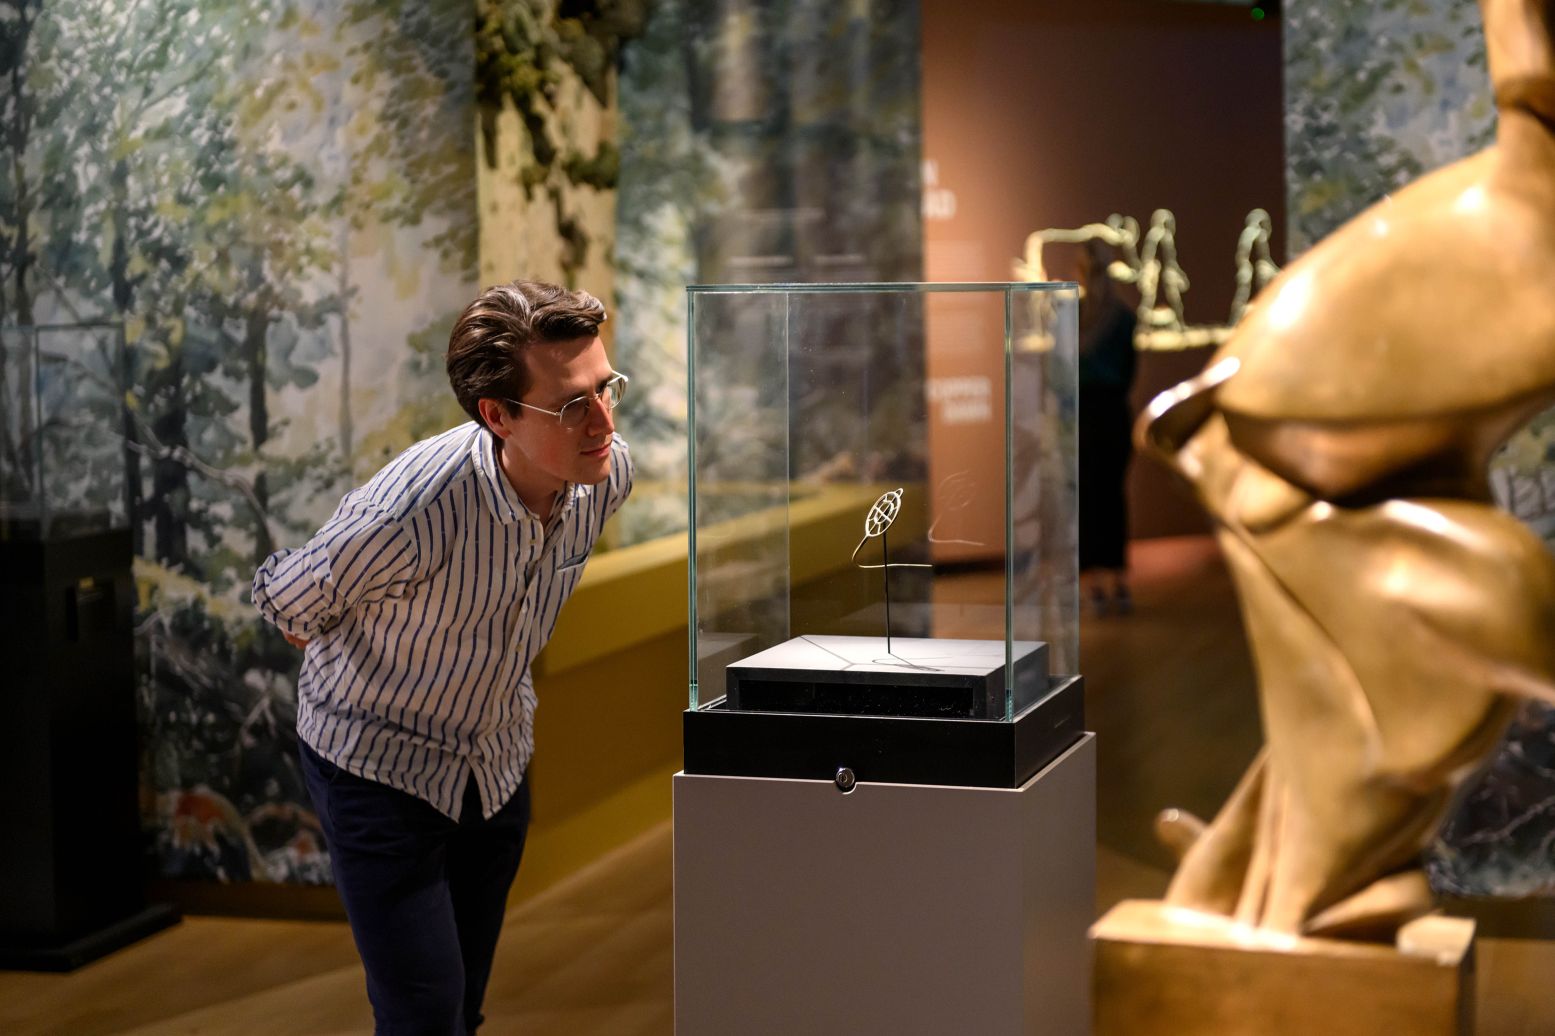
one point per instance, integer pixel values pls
(574, 412)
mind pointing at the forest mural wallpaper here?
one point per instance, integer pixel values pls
(632, 147)
(234, 234)
(760, 143)
(271, 208)
(1376, 94)
(547, 91)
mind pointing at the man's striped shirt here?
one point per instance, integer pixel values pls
(425, 599)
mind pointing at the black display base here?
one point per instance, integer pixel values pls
(873, 676)
(17, 956)
(71, 846)
(975, 753)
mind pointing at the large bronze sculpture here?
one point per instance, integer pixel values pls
(1340, 439)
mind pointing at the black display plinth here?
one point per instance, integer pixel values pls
(975, 753)
(873, 676)
(83, 949)
(71, 870)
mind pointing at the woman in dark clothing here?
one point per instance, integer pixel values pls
(1106, 375)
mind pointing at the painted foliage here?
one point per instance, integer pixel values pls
(1376, 95)
(633, 147)
(760, 142)
(275, 201)
(546, 89)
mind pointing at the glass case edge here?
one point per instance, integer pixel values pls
(880, 286)
(1009, 507)
(691, 500)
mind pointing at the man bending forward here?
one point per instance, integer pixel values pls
(420, 606)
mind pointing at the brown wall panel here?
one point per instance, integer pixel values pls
(1056, 113)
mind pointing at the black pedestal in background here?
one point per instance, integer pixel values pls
(71, 866)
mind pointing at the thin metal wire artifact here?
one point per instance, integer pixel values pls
(882, 514)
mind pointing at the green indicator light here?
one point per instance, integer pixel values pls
(1258, 14)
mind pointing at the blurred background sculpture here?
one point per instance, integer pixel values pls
(1340, 439)
(1150, 264)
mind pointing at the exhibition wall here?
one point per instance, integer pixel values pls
(277, 203)
(285, 205)
(722, 143)
(1061, 113)
(761, 143)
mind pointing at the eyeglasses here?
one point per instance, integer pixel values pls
(574, 412)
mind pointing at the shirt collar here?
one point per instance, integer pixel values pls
(499, 494)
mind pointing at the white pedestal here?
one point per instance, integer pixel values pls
(895, 909)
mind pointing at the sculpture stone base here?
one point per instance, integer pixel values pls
(1161, 971)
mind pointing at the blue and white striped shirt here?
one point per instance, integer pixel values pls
(425, 599)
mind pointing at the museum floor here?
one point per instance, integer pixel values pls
(1169, 691)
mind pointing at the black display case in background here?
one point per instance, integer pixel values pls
(72, 865)
(72, 870)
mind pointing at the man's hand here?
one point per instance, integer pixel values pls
(296, 642)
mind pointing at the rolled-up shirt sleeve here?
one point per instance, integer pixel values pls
(362, 554)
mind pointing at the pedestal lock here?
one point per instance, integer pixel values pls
(846, 781)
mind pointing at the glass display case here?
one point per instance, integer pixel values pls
(62, 452)
(905, 594)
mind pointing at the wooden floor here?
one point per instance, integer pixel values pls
(1169, 692)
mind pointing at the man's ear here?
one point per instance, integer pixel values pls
(496, 416)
